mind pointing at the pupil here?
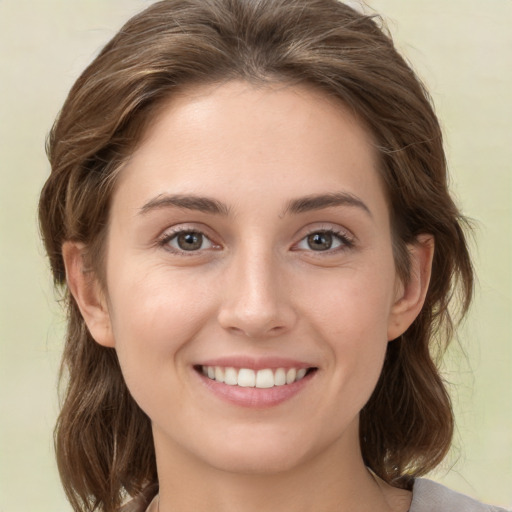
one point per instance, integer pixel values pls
(320, 241)
(190, 241)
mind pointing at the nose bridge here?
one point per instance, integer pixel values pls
(255, 301)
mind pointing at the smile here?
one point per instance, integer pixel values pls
(249, 378)
(255, 382)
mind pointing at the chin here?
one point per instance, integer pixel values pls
(260, 453)
(257, 463)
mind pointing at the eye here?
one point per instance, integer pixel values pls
(188, 241)
(324, 240)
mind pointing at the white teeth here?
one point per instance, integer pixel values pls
(265, 379)
(231, 376)
(248, 378)
(219, 374)
(280, 377)
(301, 373)
(290, 375)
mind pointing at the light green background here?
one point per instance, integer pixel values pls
(461, 48)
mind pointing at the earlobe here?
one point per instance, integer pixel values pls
(87, 292)
(411, 295)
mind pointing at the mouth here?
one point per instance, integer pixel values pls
(264, 378)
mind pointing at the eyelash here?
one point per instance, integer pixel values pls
(346, 241)
(167, 237)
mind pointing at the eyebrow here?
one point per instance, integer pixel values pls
(188, 202)
(320, 201)
(295, 206)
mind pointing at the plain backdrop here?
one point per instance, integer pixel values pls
(463, 51)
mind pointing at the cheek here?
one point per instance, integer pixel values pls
(153, 316)
(349, 317)
(159, 303)
(352, 303)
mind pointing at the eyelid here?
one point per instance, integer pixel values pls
(173, 231)
(347, 238)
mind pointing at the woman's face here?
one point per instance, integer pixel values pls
(249, 240)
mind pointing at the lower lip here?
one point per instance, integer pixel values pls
(258, 398)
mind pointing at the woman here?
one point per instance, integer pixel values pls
(248, 208)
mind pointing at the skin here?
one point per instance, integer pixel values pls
(255, 288)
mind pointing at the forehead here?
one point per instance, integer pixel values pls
(240, 109)
(236, 136)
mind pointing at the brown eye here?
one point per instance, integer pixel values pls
(320, 241)
(189, 241)
(327, 241)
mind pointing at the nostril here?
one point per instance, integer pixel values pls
(256, 316)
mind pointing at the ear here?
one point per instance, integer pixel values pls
(86, 290)
(411, 295)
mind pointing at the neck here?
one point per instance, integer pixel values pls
(333, 481)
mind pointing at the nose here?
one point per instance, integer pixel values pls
(256, 303)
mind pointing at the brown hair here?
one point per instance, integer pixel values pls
(103, 440)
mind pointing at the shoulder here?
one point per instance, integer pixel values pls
(430, 496)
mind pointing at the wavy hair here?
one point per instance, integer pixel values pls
(103, 440)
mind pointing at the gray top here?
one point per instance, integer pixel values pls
(428, 496)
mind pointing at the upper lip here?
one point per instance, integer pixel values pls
(255, 363)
